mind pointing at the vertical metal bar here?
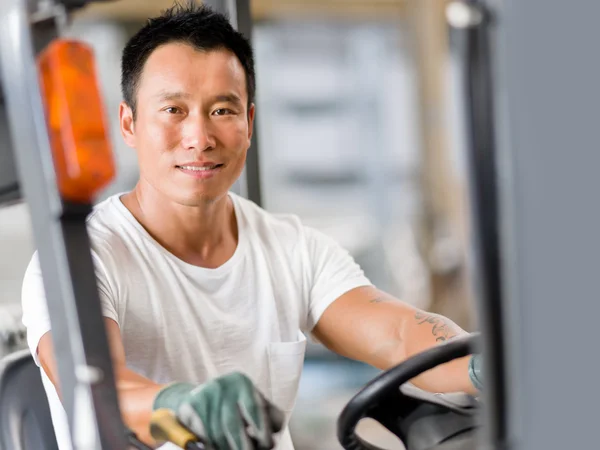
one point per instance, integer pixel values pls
(441, 218)
(222, 6)
(243, 18)
(474, 49)
(240, 16)
(9, 184)
(545, 81)
(548, 160)
(80, 342)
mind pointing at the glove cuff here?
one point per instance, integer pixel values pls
(475, 372)
(172, 395)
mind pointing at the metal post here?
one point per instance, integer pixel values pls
(240, 16)
(9, 184)
(81, 347)
(548, 96)
(477, 88)
(441, 221)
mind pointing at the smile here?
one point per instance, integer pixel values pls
(201, 171)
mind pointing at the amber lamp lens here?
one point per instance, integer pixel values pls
(75, 118)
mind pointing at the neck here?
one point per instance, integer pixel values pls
(205, 235)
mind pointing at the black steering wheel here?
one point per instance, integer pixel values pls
(398, 409)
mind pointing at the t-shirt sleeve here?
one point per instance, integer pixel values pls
(33, 301)
(334, 272)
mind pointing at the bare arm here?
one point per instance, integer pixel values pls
(136, 393)
(368, 325)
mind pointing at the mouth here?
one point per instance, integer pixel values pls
(200, 170)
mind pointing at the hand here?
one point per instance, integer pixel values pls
(227, 413)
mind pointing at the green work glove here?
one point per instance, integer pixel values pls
(475, 371)
(227, 413)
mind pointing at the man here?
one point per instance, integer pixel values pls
(206, 296)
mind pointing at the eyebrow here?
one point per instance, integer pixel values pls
(178, 95)
(165, 95)
(228, 98)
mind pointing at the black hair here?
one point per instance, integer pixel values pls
(196, 25)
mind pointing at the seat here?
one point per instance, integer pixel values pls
(25, 421)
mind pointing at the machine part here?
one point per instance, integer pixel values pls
(9, 181)
(25, 421)
(461, 14)
(421, 420)
(80, 143)
(13, 335)
(240, 17)
(78, 331)
(546, 121)
(165, 427)
(473, 45)
(76, 4)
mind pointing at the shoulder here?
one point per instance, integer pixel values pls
(103, 225)
(268, 225)
(283, 228)
(107, 217)
(112, 231)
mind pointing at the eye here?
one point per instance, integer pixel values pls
(222, 112)
(172, 110)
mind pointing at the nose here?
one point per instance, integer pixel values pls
(197, 134)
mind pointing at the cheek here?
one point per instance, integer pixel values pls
(236, 135)
(156, 143)
(157, 138)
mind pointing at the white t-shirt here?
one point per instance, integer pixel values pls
(181, 322)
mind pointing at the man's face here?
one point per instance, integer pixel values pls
(193, 128)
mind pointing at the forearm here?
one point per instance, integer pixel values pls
(371, 326)
(136, 397)
(422, 331)
(136, 393)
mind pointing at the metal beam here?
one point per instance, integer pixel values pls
(535, 92)
(9, 184)
(80, 343)
(240, 17)
(442, 221)
(133, 10)
(548, 122)
(473, 49)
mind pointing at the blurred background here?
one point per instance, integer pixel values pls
(358, 134)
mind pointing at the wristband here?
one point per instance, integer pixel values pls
(171, 396)
(475, 372)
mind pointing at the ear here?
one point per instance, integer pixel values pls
(127, 124)
(251, 113)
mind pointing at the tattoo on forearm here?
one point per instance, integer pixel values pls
(441, 327)
(381, 300)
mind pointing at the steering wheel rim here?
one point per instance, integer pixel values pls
(389, 382)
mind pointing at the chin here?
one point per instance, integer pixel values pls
(199, 198)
